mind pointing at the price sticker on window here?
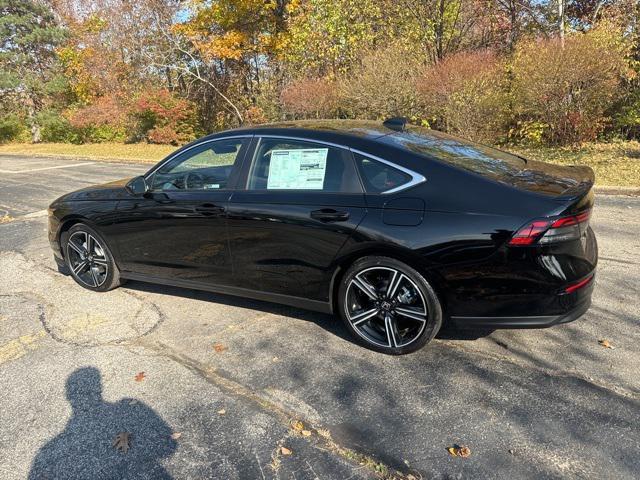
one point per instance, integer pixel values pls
(301, 169)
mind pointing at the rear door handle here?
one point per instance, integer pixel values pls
(329, 215)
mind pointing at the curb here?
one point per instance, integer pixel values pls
(613, 190)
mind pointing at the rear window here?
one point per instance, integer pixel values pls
(490, 162)
(462, 153)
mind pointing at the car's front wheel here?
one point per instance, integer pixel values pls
(89, 260)
(388, 306)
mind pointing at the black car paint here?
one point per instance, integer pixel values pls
(453, 228)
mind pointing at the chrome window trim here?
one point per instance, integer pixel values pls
(416, 178)
(162, 163)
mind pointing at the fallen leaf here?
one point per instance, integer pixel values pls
(305, 433)
(219, 347)
(122, 442)
(222, 411)
(176, 435)
(459, 451)
(285, 451)
(140, 377)
(297, 425)
(275, 359)
(133, 402)
(605, 343)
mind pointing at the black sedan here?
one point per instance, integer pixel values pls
(397, 229)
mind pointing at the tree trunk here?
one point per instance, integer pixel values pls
(35, 127)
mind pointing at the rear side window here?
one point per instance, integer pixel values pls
(282, 164)
(379, 177)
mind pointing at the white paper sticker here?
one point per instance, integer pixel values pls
(301, 169)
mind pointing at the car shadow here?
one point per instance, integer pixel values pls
(86, 449)
(330, 323)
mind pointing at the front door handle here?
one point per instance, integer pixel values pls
(329, 215)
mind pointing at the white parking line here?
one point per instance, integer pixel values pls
(46, 168)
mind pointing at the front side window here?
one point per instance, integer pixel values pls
(204, 167)
(379, 177)
(282, 164)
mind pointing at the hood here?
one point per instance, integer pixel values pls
(106, 191)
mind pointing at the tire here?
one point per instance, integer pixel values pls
(397, 322)
(89, 259)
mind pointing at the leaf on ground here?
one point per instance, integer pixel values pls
(297, 425)
(605, 343)
(140, 376)
(219, 347)
(285, 451)
(176, 435)
(305, 433)
(222, 411)
(122, 442)
(459, 451)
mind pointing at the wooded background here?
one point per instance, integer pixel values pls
(528, 72)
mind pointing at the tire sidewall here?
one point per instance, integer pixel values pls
(113, 275)
(434, 309)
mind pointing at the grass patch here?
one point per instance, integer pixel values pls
(135, 152)
(615, 164)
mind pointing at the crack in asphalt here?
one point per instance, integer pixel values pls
(287, 417)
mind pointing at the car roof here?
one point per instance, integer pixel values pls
(357, 129)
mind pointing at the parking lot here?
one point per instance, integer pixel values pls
(211, 386)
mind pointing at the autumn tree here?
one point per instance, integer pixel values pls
(29, 36)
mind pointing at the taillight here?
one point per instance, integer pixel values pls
(552, 230)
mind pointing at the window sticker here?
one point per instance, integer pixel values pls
(300, 169)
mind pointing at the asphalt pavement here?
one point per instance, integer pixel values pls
(211, 386)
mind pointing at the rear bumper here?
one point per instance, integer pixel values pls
(523, 322)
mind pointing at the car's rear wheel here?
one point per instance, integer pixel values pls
(388, 306)
(89, 260)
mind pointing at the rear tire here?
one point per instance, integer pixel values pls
(89, 259)
(388, 306)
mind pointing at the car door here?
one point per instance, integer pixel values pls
(300, 202)
(178, 229)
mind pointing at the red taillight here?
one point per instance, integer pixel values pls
(550, 231)
(579, 285)
(530, 233)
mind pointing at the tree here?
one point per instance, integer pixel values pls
(29, 35)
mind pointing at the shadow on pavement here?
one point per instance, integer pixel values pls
(330, 323)
(85, 448)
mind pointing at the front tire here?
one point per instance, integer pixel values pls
(388, 306)
(89, 259)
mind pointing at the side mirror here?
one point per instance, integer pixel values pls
(137, 186)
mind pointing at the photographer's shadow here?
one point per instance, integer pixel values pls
(84, 449)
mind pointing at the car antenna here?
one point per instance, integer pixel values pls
(396, 123)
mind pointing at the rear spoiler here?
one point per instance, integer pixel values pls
(586, 179)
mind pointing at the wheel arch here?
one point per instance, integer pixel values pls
(70, 221)
(345, 261)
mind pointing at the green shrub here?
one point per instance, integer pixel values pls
(11, 128)
(56, 128)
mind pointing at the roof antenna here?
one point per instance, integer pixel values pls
(396, 123)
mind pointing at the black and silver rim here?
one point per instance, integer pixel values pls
(385, 307)
(87, 259)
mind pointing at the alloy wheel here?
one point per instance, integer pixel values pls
(87, 259)
(385, 307)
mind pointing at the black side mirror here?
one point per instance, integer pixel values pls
(137, 186)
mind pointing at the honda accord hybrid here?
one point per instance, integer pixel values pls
(395, 228)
